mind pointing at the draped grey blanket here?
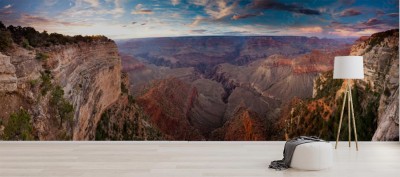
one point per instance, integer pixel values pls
(288, 151)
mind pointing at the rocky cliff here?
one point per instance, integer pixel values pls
(168, 103)
(90, 75)
(245, 125)
(126, 120)
(381, 58)
(376, 99)
(8, 79)
(63, 83)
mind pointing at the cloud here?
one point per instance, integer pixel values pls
(7, 12)
(251, 29)
(335, 24)
(310, 29)
(140, 10)
(347, 2)
(7, 6)
(26, 18)
(93, 3)
(139, 6)
(176, 15)
(372, 22)
(80, 10)
(197, 31)
(50, 2)
(117, 11)
(380, 13)
(242, 16)
(143, 12)
(175, 2)
(350, 12)
(353, 33)
(197, 21)
(273, 4)
(368, 27)
(216, 10)
(393, 15)
(198, 2)
(33, 20)
(220, 9)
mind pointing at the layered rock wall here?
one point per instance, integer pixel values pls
(381, 60)
(91, 77)
(89, 73)
(8, 79)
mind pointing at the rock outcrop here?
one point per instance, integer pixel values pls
(376, 97)
(245, 125)
(168, 104)
(64, 83)
(125, 120)
(229, 73)
(91, 77)
(381, 60)
(278, 77)
(388, 125)
(8, 79)
(141, 75)
(208, 109)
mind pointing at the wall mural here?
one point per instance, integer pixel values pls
(195, 69)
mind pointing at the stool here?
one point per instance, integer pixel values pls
(313, 156)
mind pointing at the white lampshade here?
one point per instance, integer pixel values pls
(348, 67)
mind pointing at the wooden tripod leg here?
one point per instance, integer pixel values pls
(341, 118)
(348, 111)
(354, 120)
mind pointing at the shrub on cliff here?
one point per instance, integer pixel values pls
(5, 40)
(19, 127)
(304, 120)
(28, 37)
(45, 85)
(63, 109)
(42, 56)
(2, 26)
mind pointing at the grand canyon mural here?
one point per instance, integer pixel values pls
(224, 70)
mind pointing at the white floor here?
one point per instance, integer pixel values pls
(191, 159)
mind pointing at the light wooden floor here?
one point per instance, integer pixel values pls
(191, 159)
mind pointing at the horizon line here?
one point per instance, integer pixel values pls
(350, 37)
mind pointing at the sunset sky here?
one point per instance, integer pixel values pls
(155, 18)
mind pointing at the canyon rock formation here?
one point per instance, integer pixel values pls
(381, 60)
(229, 74)
(90, 75)
(64, 87)
(8, 79)
(376, 97)
(193, 88)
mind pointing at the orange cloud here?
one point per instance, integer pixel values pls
(312, 29)
(140, 10)
(143, 12)
(347, 33)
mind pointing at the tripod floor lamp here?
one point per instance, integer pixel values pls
(348, 67)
